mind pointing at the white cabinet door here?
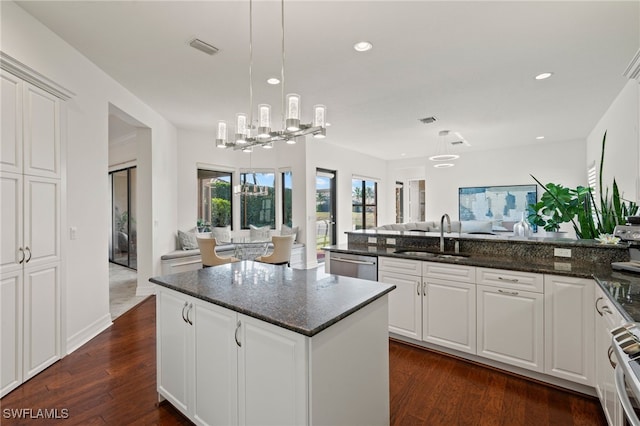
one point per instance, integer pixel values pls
(41, 136)
(42, 220)
(12, 253)
(510, 326)
(11, 125)
(11, 331)
(174, 337)
(606, 319)
(405, 304)
(569, 322)
(449, 314)
(41, 317)
(216, 365)
(272, 372)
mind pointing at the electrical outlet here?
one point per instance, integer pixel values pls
(372, 240)
(562, 252)
(562, 266)
(391, 241)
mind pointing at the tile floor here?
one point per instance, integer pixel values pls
(122, 290)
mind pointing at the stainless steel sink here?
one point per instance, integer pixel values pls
(416, 253)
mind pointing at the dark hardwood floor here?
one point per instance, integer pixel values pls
(112, 380)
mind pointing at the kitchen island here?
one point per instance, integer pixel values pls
(253, 343)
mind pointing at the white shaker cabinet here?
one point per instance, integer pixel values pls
(219, 367)
(510, 320)
(30, 248)
(405, 302)
(449, 306)
(569, 322)
(606, 319)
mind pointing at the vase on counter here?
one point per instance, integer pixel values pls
(522, 228)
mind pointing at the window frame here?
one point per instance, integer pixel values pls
(364, 205)
(271, 210)
(201, 176)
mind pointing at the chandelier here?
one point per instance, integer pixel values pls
(249, 134)
(443, 156)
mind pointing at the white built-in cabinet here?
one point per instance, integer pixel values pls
(433, 302)
(221, 367)
(539, 322)
(569, 322)
(449, 306)
(30, 247)
(405, 302)
(607, 318)
(511, 317)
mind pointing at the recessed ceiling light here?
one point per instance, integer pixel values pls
(362, 46)
(539, 137)
(443, 165)
(273, 81)
(544, 75)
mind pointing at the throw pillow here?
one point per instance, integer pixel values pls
(286, 230)
(259, 233)
(221, 233)
(187, 240)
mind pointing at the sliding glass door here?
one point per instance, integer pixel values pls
(122, 241)
(325, 210)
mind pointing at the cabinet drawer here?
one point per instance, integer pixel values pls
(516, 280)
(401, 266)
(447, 271)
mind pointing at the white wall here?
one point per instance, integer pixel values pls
(562, 163)
(347, 164)
(85, 284)
(622, 154)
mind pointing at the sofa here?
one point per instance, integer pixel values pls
(478, 226)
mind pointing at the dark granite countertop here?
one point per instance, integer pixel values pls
(557, 266)
(623, 288)
(303, 301)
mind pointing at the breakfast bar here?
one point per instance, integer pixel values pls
(253, 343)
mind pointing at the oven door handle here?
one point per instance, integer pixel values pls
(624, 398)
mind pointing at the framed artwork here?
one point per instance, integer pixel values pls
(503, 206)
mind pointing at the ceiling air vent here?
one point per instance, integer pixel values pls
(427, 120)
(203, 46)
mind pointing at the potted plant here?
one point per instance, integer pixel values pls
(590, 220)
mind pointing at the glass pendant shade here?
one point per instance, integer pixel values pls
(221, 134)
(293, 112)
(319, 120)
(241, 128)
(264, 124)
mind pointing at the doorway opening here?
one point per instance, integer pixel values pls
(417, 205)
(325, 211)
(122, 244)
(399, 202)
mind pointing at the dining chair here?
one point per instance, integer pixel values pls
(281, 254)
(209, 256)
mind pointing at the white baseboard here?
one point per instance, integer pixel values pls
(88, 333)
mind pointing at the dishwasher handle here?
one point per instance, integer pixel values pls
(357, 262)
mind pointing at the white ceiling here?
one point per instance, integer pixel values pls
(471, 64)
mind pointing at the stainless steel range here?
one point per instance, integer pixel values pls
(626, 346)
(630, 234)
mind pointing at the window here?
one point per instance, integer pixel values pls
(214, 200)
(364, 197)
(257, 199)
(287, 198)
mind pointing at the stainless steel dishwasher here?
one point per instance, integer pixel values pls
(353, 265)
